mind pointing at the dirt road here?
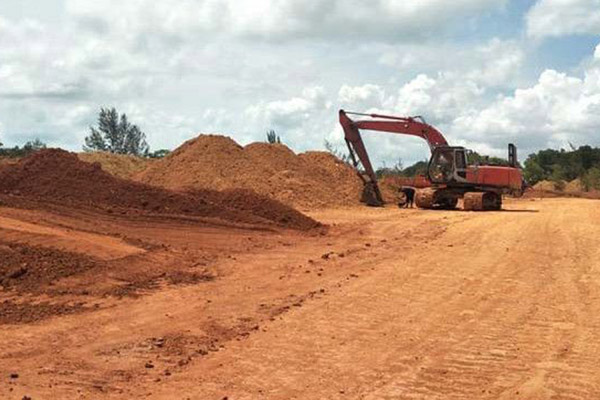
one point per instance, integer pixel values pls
(390, 304)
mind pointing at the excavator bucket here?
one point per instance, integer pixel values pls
(371, 195)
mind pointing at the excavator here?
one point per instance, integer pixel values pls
(449, 177)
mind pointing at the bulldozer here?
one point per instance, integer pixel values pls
(449, 176)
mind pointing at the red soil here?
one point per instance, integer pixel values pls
(59, 177)
(309, 180)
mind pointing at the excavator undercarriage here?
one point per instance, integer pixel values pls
(447, 199)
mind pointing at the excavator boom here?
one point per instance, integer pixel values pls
(414, 126)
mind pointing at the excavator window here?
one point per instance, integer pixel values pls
(448, 164)
(442, 165)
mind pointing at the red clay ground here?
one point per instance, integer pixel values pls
(402, 304)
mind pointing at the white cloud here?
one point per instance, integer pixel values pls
(182, 67)
(564, 17)
(298, 119)
(286, 113)
(494, 63)
(58, 124)
(361, 98)
(280, 19)
(439, 99)
(179, 67)
(32, 70)
(556, 110)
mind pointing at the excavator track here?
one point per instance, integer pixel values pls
(425, 198)
(482, 201)
(436, 198)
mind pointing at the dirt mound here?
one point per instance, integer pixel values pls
(575, 186)
(336, 176)
(121, 165)
(209, 162)
(309, 180)
(58, 176)
(545, 186)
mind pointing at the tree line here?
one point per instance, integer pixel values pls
(561, 166)
(16, 151)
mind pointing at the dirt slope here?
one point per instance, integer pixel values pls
(392, 304)
(309, 180)
(60, 177)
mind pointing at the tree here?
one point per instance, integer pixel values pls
(418, 168)
(532, 172)
(396, 169)
(34, 145)
(476, 158)
(558, 176)
(273, 137)
(116, 135)
(591, 179)
(15, 152)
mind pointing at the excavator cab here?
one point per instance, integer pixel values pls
(448, 164)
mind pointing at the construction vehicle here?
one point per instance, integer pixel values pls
(449, 177)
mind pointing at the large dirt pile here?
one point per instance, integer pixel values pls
(309, 180)
(121, 165)
(546, 186)
(575, 186)
(57, 176)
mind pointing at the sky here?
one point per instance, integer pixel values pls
(484, 72)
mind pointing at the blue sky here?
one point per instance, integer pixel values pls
(485, 72)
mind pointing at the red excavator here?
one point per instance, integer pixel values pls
(449, 176)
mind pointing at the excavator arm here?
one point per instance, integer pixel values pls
(414, 126)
